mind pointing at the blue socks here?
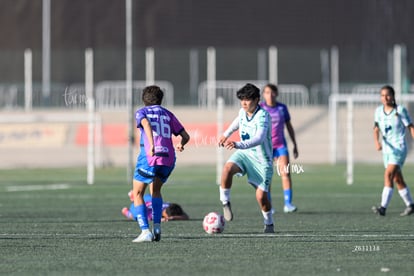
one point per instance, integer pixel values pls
(157, 209)
(288, 196)
(140, 212)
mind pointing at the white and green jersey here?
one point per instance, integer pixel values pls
(255, 135)
(393, 128)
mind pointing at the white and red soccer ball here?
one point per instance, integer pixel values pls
(213, 223)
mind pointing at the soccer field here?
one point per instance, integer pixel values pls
(52, 223)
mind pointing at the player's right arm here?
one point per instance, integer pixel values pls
(146, 125)
(229, 131)
(378, 145)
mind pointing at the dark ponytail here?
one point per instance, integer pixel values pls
(392, 92)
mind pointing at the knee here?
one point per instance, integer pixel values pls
(139, 194)
(228, 169)
(138, 191)
(389, 174)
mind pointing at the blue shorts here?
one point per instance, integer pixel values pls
(146, 173)
(283, 151)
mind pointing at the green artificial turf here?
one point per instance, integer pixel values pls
(53, 223)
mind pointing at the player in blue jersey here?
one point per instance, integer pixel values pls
(253, 156)
(281, 118)
(391, 121)
(156, 159)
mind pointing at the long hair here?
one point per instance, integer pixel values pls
(174, 210)
(272, 87)
(391, 90)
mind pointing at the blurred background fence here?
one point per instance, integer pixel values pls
(196, 51)
(305, 74)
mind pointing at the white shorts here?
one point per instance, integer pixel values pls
(258, 175)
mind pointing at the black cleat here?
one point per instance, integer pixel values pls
(157, 233)
(269, 228)
(379, 210)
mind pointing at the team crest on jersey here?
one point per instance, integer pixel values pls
(245, 136)
(387, 128)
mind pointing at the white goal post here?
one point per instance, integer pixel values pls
(364, 105)
(94, 139)
(220, 129)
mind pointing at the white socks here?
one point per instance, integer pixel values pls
(406, 196)
(267, 217)
(386, 196)
(224, 195)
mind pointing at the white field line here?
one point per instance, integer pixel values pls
(224, 235)
(324, 235)
(37, 187)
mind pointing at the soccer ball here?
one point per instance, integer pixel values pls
(213, 223)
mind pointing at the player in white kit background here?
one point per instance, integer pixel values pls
(391, 122)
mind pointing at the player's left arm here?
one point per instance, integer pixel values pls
(291, 132)
(178, 130)
(255, 141)
(411, 128)
(405, 117)
(258, 138)
(146, 125)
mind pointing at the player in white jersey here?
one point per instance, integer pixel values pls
(391, 121)
(253, 156)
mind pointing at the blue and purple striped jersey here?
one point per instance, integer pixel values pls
(280, 115)
(164, 124)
